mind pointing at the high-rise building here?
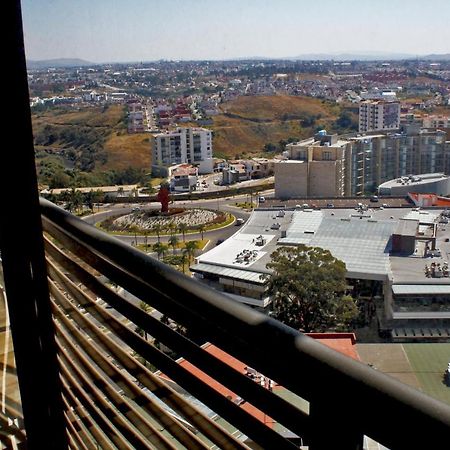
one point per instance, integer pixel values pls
(378, 115)
(328, 166)
(183, 145)
(317, 167)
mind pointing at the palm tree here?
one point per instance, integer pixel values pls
(202, 229)
(183, 228)
(173, 242)
(160, 249)
(145, 231)
(75, 200)
(183, 259)
(172, 228)
(190, 247)
(157, 229)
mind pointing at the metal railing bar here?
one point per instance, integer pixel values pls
(79, 435)
(135, 423)
(271, 404)
(128, 419)
(155, 385)
(124, 435)
(72, 444)
(175, 428)
(91, 428)
(285, 344)
(11, 430)
(191, 315)
(227, 409)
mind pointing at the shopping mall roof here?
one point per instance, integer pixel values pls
(362, 239)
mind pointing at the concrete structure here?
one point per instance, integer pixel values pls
(317, 167)
(126, 190)
(356, 165)
(235, 172)
(183, 178)
(183, 145)
(397, 253)
(428, 183)
(378, 115)
(436, 122)
(246, 169)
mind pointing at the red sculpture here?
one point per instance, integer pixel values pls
(163, 198)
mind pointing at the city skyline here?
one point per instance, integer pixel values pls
(197, 30)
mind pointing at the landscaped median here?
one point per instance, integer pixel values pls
(176, 221)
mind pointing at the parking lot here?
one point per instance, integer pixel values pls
(388, 202)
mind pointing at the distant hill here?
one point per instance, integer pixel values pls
(247, 123)
(366, 56)
(58, 62)
(371, 56)
(443, 57)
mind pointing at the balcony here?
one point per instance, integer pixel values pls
(111, 399)
(90, 363)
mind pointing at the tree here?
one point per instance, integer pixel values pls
(160, 249)
(173, 242)
(308, 287)
(190, 248)
(202, 228)
(74, 200)
(183, 228)
(157, 228)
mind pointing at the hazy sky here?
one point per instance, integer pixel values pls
(146, 30)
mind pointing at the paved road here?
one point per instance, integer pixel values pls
(213, 236)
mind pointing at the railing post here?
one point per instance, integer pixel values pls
(24, 267)
(333, 427)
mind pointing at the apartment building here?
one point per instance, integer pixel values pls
(435, 121)
(181, 146)
(317, 167)
(376, 115)
(331, 166)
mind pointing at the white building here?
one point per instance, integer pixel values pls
(183, 145)
(436, 122)
(399, 254)
(430, 183)
(378, 115)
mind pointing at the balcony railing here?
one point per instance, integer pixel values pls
(87, 376)
(113, 400)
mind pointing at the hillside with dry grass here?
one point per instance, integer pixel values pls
(248, 123)
(88, 145)
(120, 148)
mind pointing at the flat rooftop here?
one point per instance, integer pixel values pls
(415, 180)
(361, 239)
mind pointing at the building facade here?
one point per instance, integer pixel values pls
(333, 166)
(317, 167)
(183, 145)
(377, 115)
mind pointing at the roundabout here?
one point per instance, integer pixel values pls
(178, 219)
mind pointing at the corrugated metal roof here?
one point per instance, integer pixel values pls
(423, 289)
(246, 275)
